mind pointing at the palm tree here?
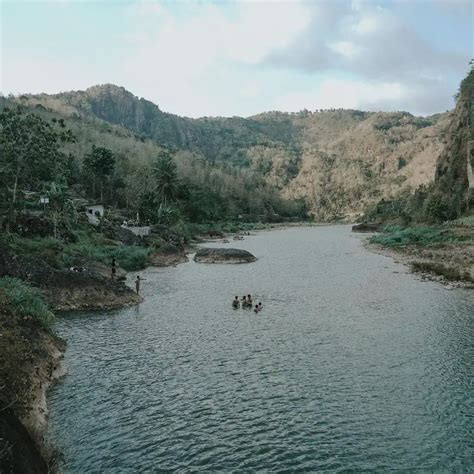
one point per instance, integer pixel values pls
(166, 176)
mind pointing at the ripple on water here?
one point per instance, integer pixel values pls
(350, 366)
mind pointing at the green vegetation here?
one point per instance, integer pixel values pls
(25, 301)
(465, 221)
(88, 247)
(51, 168)
(129, 257)
(448, 197)
(396, 236)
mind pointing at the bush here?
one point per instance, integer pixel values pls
(39, 249)
(25, 301)
(128, 257)
(395, 236)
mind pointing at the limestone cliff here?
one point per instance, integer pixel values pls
(454, 180)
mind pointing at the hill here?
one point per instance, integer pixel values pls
(338, 162)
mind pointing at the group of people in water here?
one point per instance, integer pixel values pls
(246, 303)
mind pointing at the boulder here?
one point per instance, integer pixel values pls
(215, 234)
(223, 255)
(365, 227)
(167, 254)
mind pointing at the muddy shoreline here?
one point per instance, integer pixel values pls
(451, 266)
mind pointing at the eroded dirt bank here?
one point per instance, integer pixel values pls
(30, 361)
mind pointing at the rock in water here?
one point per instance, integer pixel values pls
(365, 227)
(221, 255)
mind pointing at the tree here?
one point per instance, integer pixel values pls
(30, 153)
(166, 178)
(100, 162)
(60, 207)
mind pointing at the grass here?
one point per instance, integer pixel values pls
(92, 247)
(25, 301)
(395, 236)
(45, 249)
(466, 221)
(128, 257)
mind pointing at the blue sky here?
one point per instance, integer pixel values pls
(200, 58)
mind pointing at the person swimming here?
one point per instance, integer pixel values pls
(260, 306)
(243, 302)
(249, 300)
(235, 302)
(256, 310)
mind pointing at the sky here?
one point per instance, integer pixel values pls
(239, 58)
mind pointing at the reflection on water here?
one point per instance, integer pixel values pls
(352, 364)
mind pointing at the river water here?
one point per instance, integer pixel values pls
(353, 364)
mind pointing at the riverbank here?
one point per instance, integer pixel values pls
(30, 362)
(442, 254)
(30, 356)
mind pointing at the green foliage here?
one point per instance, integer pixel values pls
(467, 221)
(99, 165)
(87, 247)
(401, 163)
(395, 236)
(436, 208)
(166, 178)
(25, 301)
(30, 154)
(39, 249)
(128, 257)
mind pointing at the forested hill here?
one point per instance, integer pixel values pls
(338, 161)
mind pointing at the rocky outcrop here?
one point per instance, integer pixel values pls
(91, 293)
(220, 255)
(453, 181)
(167, 255)
(365, 227)
(77, 289)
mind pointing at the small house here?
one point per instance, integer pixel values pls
(94, 213)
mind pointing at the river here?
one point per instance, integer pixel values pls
(353, 364)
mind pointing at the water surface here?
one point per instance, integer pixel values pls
(352, 365)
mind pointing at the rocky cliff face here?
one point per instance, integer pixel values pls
(454, 180)
(380, 156)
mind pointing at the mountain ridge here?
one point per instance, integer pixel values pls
(340, 161)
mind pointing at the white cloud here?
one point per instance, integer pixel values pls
(47, 74)
(367, 40)
(342, 93)
(239, 58)
(367, 95)
(195, 54)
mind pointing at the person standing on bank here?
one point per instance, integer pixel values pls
(137, 284)
(113, 269)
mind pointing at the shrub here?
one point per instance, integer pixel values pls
(395, 236)
(37, 249)
(129, 257)
(25, 301)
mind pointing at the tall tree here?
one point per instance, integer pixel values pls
(100, 162)
(166, 178)
(30, 154)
